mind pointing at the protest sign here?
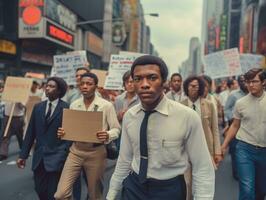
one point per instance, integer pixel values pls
(65, 66)
(17, 89)
(101, 74)
(223, 64)
(249, 61)
(119, 65)
(82, 126)
(30, 104)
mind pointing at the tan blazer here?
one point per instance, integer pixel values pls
(209, 119)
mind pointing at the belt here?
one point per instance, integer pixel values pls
(157, 182)
(13, 116)
(251, 145)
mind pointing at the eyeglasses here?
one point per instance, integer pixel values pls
(194, 86)
(254, 82)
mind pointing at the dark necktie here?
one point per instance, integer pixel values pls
(194, 107)
(144, 147)
(48, 114)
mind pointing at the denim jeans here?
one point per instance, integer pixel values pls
(251, 168)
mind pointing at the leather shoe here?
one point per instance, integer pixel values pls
(3, 157)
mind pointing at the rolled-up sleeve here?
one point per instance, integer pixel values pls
(203, 176)
(123, 164)
(113, 124)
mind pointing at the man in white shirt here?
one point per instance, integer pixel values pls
(158, 138)
(249, 126)
(89, 156)
(176, 93)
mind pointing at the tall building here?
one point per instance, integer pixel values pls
(193, 65)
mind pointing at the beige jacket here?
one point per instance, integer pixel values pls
(209, 121)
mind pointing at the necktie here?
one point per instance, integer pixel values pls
(144, 148)
(194, 107)
(48, 114)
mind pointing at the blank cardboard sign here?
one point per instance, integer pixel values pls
(82, 125)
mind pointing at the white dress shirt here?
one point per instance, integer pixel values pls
(176, 96)
(54, 104)
(175, 134)
(197, 104)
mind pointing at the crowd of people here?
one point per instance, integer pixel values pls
(172, 135)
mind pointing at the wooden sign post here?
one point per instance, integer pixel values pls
(16, 90)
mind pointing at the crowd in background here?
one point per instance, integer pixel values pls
(213, 100)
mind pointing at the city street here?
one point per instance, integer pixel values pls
(16, 184)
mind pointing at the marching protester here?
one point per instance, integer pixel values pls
(228, 110)
(194, 88)
(125, 100)
(90, 156)
(16, 127)
(176, 92)
(159, 136)
(249, 125)
(215, 100)
(231, 85)
(50, 152)
(74, 93)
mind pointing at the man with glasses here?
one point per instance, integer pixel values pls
(249, 127)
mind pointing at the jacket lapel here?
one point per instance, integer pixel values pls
(55, 113)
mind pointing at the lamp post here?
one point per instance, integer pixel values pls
(94, 21)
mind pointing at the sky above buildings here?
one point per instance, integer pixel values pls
(172, 30)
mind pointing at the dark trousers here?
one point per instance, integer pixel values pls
(16, 128)
(171, 189)
(45, 182)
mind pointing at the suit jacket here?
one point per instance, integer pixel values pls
(209, 120)
(49, 148)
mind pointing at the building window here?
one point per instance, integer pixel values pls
(1, 16)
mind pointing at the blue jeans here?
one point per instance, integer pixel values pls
(251, 168)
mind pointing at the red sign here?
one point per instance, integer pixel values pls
(26, 3)
(59, 34)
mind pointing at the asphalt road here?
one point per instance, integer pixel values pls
(17, 184)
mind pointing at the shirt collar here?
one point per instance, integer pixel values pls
(196, 103)
(54, 102)
(162, 107)
(258, 98)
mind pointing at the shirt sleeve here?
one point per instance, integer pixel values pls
(228, 109)
(114, 126)
(237, 114)
(203, 176)
(123, 164)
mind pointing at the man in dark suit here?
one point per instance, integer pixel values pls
(50, 152)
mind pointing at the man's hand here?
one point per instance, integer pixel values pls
(217, 159)
(60, 132)
(21, 163)
(224, 150)
(103, 136)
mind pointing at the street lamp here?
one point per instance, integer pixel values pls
(94, 21)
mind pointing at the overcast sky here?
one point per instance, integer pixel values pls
(170, 33)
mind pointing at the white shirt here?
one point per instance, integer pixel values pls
(19, 109)
(252, 113)
(175, 134)
(54, 104)
(197, 104)
(176, 96)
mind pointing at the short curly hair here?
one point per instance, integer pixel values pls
(192, 78)
(151, 60)
(61, 85)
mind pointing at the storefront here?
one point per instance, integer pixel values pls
(46, 28)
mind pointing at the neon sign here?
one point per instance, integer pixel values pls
(59, 34)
